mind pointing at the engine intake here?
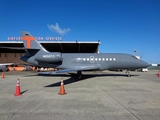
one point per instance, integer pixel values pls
(49, 58)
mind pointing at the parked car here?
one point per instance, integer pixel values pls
(143, 70)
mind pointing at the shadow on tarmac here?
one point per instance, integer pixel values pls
(84, 75)
(24, 91)
(74, 79)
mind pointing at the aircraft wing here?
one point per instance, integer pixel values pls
(14, 48)
(6, 64)
(83, 68)
(57, 72)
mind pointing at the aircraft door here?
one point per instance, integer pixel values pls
(91, 59)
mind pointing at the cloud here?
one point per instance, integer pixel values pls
(57, 29)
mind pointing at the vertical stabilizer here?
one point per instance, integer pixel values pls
(31, 45)
(29, 41)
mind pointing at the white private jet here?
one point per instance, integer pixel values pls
(3, 66)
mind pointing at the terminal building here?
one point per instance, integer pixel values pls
(13, 55)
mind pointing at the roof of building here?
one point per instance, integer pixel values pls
(54, 46)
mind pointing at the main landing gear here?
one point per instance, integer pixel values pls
(79, 75)
(128, 73)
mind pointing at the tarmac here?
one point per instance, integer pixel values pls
(104, 95)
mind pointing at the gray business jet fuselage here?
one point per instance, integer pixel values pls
(4, 66)
(76, 62)
(94, 61)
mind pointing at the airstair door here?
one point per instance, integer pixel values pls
(91, 59)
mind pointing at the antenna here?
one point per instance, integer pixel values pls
(135, 52)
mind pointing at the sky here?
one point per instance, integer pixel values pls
(122, 26)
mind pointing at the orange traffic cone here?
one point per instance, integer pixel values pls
(18, 91)
(62, 90)
(2, 75)
(159, 74)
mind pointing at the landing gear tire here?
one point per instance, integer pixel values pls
(128, 75)
(79, 75)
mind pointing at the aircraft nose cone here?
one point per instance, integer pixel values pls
(144, 64)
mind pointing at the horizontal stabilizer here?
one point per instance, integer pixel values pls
(7, 64)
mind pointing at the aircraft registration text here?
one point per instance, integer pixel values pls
(48, 56)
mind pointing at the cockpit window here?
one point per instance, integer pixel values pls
(134, 57)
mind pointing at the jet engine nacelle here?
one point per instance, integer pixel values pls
(49, 57)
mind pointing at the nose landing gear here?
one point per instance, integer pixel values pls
(79, 75)
(128, 73)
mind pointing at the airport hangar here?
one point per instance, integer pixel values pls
(12, 55)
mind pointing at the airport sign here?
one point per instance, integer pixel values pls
(38, 38)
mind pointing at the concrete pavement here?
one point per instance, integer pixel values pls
(100, 95)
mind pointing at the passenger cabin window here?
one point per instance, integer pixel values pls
(100, 59)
